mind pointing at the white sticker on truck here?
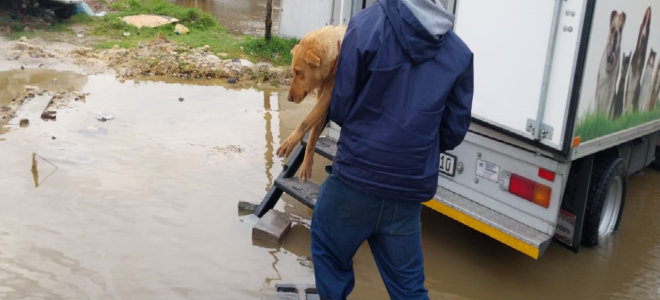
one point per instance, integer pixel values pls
(488, 170)
(565, 227)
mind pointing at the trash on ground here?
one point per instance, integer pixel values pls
(151, 21)
(180, 29)
(83, 8)
(104, 117)
(24, 123)
(49, 115)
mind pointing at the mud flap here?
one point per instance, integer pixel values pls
(570, 219)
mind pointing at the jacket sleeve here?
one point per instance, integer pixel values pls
(349, 78)
(458, 111)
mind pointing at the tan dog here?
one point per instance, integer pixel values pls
(610, 64)
(314, 67)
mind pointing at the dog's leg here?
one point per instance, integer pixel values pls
(308, 161)
(315, 116)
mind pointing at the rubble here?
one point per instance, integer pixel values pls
(163, 58)
(160, 57)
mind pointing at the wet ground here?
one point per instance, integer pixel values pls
(238, 16)
(145, 207)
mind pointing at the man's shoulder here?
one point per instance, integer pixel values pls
(369, 15)
(456, 41)
(461, 51)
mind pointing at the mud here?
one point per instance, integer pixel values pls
(21, 85)
(159, 57)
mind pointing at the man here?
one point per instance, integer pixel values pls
(403, 94)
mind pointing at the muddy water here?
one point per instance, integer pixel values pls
(238, 16)
(13, 84)
(145, 207)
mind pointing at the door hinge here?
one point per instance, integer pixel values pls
(546, 130)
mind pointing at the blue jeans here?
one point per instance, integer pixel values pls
(343, 219)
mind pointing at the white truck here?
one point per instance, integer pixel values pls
(565, 110)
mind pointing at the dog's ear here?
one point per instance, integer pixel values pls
(312, 58)
(622, 19)
(294, 49)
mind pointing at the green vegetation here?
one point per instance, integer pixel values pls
(596, 125)
(278, 50)
(204, 30)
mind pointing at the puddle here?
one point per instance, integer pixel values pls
(145, 207)
(12, 83)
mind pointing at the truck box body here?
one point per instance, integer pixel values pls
(556, 83)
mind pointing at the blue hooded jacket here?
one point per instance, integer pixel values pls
(402, 96)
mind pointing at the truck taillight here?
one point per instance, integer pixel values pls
(530, 190)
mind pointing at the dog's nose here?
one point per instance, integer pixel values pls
(290, 98)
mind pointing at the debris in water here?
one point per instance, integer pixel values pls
(53, 137)
(22, 68)
(49, 115)
(104, 117)
(247, 206)
(180, 99)
(24, 123)
(232, 80)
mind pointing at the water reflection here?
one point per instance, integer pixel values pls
(12, 83)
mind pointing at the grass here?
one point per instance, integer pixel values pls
(204, 30)
(278, 50)
(595, 125)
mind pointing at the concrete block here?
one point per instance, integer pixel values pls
(272, 227)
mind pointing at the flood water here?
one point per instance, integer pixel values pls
(145, 207)
(238, 16)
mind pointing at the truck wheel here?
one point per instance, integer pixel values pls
(65, 12)
(607, 194)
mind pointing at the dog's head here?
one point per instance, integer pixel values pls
(308, 67)
(617, 22)
(625, 63)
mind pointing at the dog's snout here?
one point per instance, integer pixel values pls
(289, 98)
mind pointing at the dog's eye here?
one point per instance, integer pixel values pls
(297, 72)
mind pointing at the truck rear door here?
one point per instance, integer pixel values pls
(524, 58)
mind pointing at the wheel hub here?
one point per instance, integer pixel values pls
(611, 207)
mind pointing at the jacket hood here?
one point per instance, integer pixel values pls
(419, 26)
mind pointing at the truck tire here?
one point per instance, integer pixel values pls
(65, 12)
(607, 195)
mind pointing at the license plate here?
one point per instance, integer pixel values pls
(448, 164)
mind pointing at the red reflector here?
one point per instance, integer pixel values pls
(521, 187)
(545, 174)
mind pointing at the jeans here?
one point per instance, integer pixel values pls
(343, 219)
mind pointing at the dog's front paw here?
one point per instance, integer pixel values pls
(285, 149)
(306, 171)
